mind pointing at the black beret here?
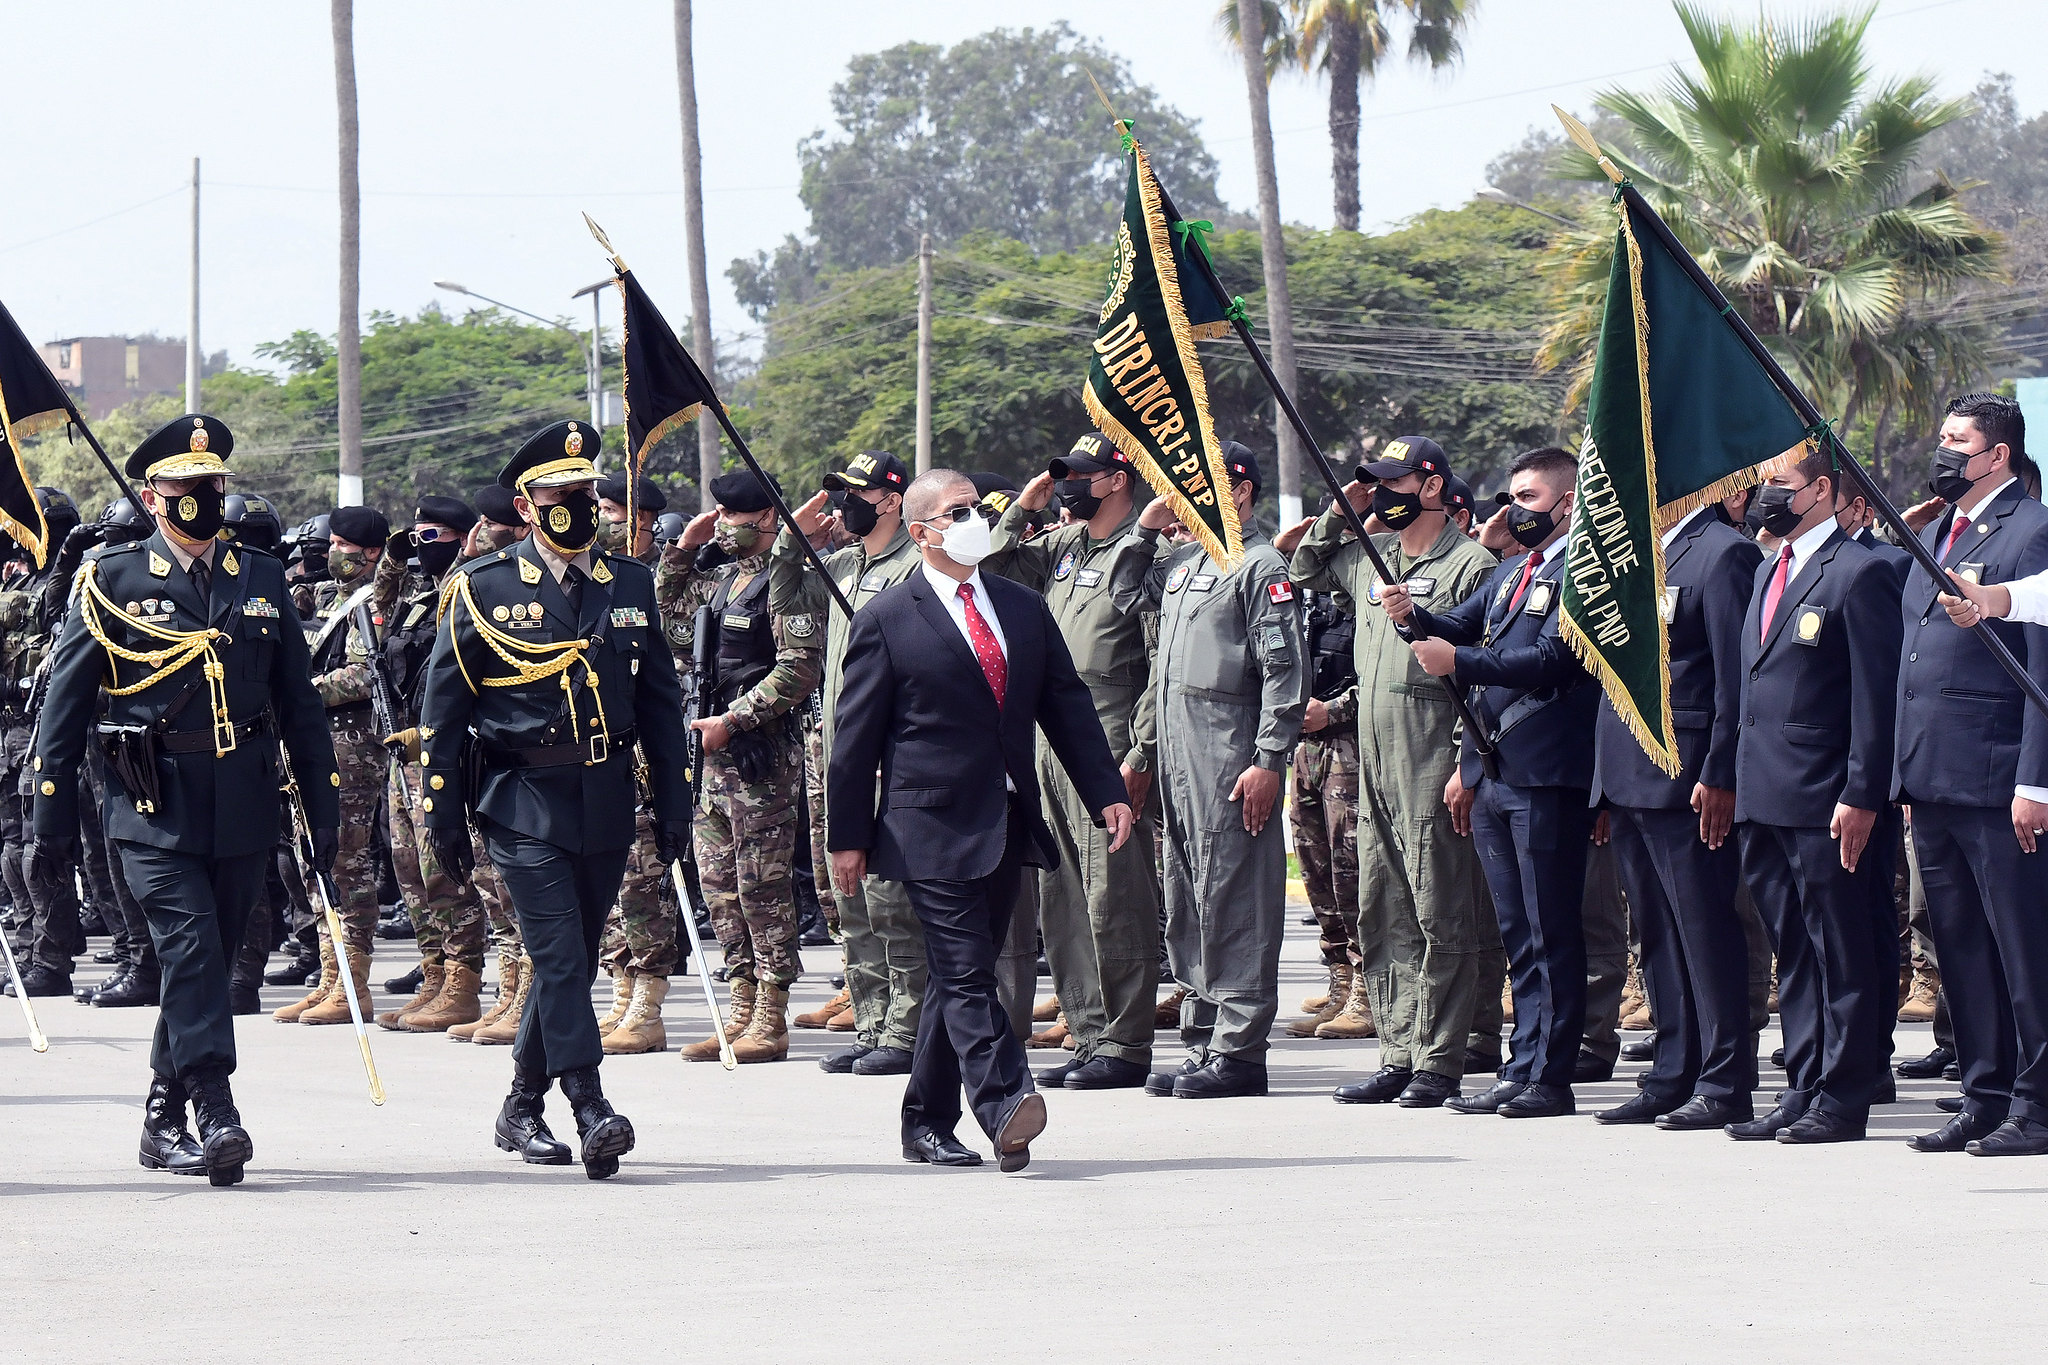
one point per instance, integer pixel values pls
(452, 512)
(555, 457)
(364, 526)
(183, 448)
(740, 491)
(647, 495)
(494, 504)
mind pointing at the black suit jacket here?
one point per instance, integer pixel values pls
(1895, 559)
(1966, 735)
(915, 706)
(1506, 655)
(1708, 573)
(1817, 695)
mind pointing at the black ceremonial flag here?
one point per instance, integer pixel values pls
(664, 387)
(31, 401)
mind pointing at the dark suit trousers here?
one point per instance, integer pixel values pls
(963, 1035)
(1838, 951)
(561, 899)
(197, 908)
(1532, 845)
(1695, 958)
(1989, 905)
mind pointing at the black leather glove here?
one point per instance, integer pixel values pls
(453, 850)
(326, 848)
(671, 840)
(50, 860)
(72, 551)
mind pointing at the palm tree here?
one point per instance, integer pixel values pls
(1787, 173)
(709, 455)
(1252, 42)
(349, 343)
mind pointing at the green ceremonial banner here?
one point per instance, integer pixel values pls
(1680, 415)
(1145, 386)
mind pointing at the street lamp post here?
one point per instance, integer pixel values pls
(1495, 195)
(596, 358)
(592, 372)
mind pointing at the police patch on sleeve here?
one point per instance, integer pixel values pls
(800, 627)
(1280, 592)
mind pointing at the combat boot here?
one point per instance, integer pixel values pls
(506, 1027)
(1056, 1036)
(739, 1014)
(224, 1143)
(432, 975)
(508, 991)
(290, 1013)
(166, 1145)
(1919, 1006)
(606, 1135)
(1333, 1004)
(1355, 1020)
(520, 1127)
(1634, 1014)
(1167, 1013)
(140, 985)
(640, 1028)
(1046, 1010)
(767, 1036)
(456, 1004)
(821, 1017)
(622, 999)
(334, 1009)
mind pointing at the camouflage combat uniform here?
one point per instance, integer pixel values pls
(1322, 808)
(641, 934)
(46, 910)
(341, 675)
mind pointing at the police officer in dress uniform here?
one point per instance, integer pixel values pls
(206, 670)
(547, 670)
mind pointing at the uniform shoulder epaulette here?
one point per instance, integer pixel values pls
(482, 563)
(125, 548)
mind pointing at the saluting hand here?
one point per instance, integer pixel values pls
(814, 515)
(1852, 825)
(1036, 494)
(1259, 789)
(1157, 516)
(1286, 541)
(698, 533)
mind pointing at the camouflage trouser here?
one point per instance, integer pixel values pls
(447, 915)
(814, 795)
(504, 925)
(361, 760)
(746, 841)
(641, 932)
(48, 909)
(1323, 809)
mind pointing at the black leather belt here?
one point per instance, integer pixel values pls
(351, 716)
(201, 741)
(596, 749)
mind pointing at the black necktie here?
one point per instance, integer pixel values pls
(572, 588)
(202, 579)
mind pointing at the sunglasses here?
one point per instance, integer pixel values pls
(954, 515)
(427, 535)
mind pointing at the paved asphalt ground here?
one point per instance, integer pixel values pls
(767, 1215)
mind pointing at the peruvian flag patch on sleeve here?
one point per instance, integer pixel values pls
(1280, 592)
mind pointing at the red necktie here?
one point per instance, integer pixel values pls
(1777, 589)
(993, 665)
(1962, 524)
(1522, 584)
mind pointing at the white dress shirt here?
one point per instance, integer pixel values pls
(1805, 548)
(948, 589)
(2029, 605)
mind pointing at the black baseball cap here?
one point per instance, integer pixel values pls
(1091, 454)
(870, 469)
(1243, 465)
(1407, 455)
(1457, 494)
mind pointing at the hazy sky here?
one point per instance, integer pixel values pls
(487, 126)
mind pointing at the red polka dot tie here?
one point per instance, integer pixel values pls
(993, 665)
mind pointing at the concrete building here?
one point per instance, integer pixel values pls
(103, 373)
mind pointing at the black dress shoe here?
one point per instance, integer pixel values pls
(407, 984)
(1639, 1049)
(1054, 1077)
(244, 1000)
(1018, 1131)
(1955, 1135)
(836, 981)
(1952, 1072)
(933, 1150)
(1818, 1125)
(841, 1063)
(1224, 1078)
(397, 926)
(1162, 1082)
(883, 1061)
(84, 994)
(1539, 1102)
(139, 987)
(1778, 1058)
(1887, 1091)
(1702, 1112)
(1642, 1108)
(1106, 1073)
(1479, 1063)
(1384, 1087)
(1487, 1101)
(1765, 1128)
(521, 1129)
(166, 1145)
(1428, 1090)
(107, 957)
(40, 981)
(2014, 1137)
(1950, 1104)
(294, 972)
(1928, 1067)
(607, 1134)
(1591, 1070)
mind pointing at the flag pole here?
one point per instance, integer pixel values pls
(781, 507)
(1844, 458)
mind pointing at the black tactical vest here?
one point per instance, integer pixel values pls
(746, 638)
(1330, 635)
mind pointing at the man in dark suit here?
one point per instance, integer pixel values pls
(1671, 838)
(949, 676)
(1973, 764)
(1812, 787)
(1532, 823)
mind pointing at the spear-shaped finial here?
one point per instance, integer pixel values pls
(1582, 136)
(604, 242)
(1122, 125)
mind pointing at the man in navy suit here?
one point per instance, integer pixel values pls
(1973, 763)
(949, 676)
(1812, 786)
(1531, 824)
(1672, 840)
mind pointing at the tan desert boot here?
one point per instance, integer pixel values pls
(844, 1021)
(1919, 1006)
(622, 1000)
(431, 976)
(1056, 1036)
(1046, 1010)
(290, 1013)
(767, 1036)
(458, 1003)
(1354, 1020)
(822, 1016)
(639, 1028)
(1332, 1006)
(334, 1009)
(501, 1033)
(738, 1015)
(508, 989)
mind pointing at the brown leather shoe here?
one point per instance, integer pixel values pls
(1056, 1036)
(1046, 1010)
(1167, 1014)
(842, 1022)
(822, 1016)
(459, 1002)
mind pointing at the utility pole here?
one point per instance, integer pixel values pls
(194, 360)
(709, 454)
(349, 346)
(1273, 250)
(924, 353)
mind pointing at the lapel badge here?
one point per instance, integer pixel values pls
(1972, 572)
(1808, 629)
(600, 572)
(134, 608)
(158, 565)
(501, 612)
(518, 611)
(230, 563)
(1540, 595)
(529, 572)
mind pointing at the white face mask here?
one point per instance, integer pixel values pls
(967, 542)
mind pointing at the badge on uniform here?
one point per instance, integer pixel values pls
(1177, 580)
(628, 616)
(260, 606)
(1974, 573)
(1202, 582)
(1541, 595)
(1668, 607)
(600, 572)
(1280, 592)
(1806, 629)
(800, 627)
(529, 572)
(1421, 589)
(736, 620)
(874, 582)
(1066, 566)
(1088, 578)
(158, 565)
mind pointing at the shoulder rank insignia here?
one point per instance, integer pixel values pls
(229, 562)
(158, 565)
(529, 572)
(602, 572)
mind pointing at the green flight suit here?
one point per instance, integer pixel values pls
(1099, 911)
(1432, 963)
(884, 943)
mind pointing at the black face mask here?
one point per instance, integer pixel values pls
(1951, 473)
(1076, 497)
(1397, 511)
(571, 524)
(858, 515)
(437, 555)
(197, 515)
(1530, 527)
(1770, 507)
